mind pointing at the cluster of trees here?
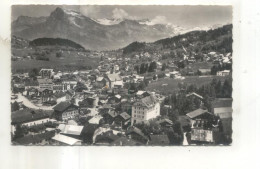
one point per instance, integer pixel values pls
(145, 67)
(15, 106)
(180, 104)
(55, 42)
(33, 73)
(134, 47)
(174, 133)
(136, 86)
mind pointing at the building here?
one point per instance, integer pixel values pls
(60, 139)
(222, 107)
(30, 117)
(113, 79)
(65, 111)
(145, 109)
(46, 73)
(123, 119)
(223, 73)
(137, 135)
(45, 83)
(200, 118)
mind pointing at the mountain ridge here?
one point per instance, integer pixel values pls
(72, 25)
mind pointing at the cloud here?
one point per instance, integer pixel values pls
(121, 14)
(159, 20)
(90, 11)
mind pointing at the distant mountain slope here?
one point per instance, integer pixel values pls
(54, 42)
(197, 41)
(91, 34)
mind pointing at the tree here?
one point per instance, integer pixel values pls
(14, 106)
(33, 73)
(163, 67)
(20, 131)
(142, 68)
(226, 89)
(142, 86)
(137, 69)
(58, 54)
(152, 67)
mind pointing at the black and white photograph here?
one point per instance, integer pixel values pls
(121, 75)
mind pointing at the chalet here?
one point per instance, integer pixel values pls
(137, 135)
(59, 97)
(65, 111)
(202, 136)
(159, 140)
(31, 84)
(122, 119)
(200, 118)
(109, 116)
(106, 138)
(30, 117)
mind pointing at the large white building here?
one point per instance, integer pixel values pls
(145, 109)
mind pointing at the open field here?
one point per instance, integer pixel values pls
(70, 60)
(169, 85)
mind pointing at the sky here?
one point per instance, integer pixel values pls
(184, 16)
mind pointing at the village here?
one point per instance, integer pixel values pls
(110, 104)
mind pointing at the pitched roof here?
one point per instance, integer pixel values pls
(159, 140)
(44, 80)
(149, 100)
(195, 94)
(33, 139)
(31, 83)
(112, 113)
(65, 139)
(136, 130)
(114, 77)
(70, 129)
(196, 113)
(59, 94)
(62, 106)
(107, 137)
(125, 116)
(28, 114)
(165, 120)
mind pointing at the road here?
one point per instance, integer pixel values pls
(29, 104)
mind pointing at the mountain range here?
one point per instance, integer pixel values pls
(90, 33)
(93, 34)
